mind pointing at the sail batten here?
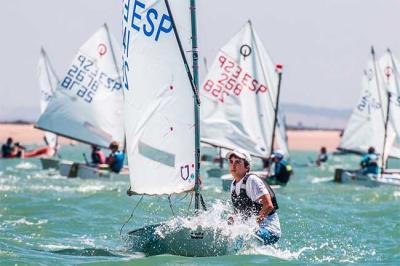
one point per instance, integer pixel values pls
(87, 104)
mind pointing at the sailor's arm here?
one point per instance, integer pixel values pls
(267, 207)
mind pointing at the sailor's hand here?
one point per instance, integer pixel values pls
(230, 220)
(259, 219)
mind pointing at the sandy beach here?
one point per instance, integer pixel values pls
(26, 134)
(298, 139)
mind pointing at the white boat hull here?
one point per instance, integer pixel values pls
(87, 172)
(156, 240)
(389, 177)
(73, 169)
(50, 163)
(68, 169)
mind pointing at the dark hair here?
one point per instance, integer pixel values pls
(114, 145)
(371, 150)
(246, 163)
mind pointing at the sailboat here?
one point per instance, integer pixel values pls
(87, 104)
(48, 82)
(369, 124)
(389, 66)
(240, 99)
(162, 119)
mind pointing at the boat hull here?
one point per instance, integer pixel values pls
(50, 163)
(73, 169)
(157, 239)
(389, 177)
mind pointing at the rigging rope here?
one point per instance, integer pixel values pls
(130, 217)
(190, 203)
(170, 205)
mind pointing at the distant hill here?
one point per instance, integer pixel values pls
(304, 116)
(20, 114)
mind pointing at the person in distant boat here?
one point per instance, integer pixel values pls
(18, 150)
(97, 155)
(282, 171)
(7, 148)
(252, 198)
(322, 156)
(116, 159)
(369, 162)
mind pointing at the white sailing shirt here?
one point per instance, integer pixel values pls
(255, 188)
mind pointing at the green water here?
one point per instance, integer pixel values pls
(47, 219)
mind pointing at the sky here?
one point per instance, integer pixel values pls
(323, 44)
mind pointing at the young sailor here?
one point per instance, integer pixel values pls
(322, 156)
(7, 148)
(282, 171)
(116, 159)
(251, 198)
(369, 162)
(97, 155)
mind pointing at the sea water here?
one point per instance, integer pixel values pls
(48, 219)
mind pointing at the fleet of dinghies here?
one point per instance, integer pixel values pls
(240, 99)
(147, 98)
(87, 105)
(375, 121)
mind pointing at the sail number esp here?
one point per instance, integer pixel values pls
(232, 80)
(137, 17)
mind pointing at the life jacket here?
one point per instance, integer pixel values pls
(373, 160)
(118, 162)
(100, 155)
(243, 203)
(7, 151)
(323, 157)
(370, 161)
(285, 172)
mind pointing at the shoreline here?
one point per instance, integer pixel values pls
(298, 140)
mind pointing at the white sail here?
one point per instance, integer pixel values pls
(159, 106)
(239, 96)
(390, 72)
(281, 136)
(88, 103)
(48, 82)
(366, 126)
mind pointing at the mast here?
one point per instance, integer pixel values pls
(279, 71)
(384, 118)
(118, 71)
(195, 57)
(386, 125)
(194, 81)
